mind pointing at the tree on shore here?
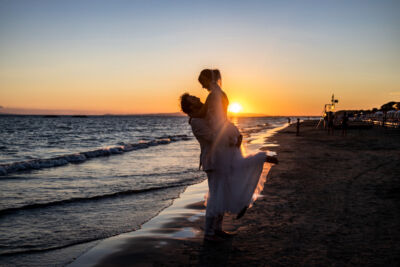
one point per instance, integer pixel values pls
(390, 106)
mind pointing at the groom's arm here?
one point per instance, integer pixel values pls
(201, 130)
(202, 112)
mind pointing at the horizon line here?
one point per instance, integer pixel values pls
(71, 112)
(176, 114)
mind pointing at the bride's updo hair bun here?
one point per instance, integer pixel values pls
(216, 75)
(207, 76)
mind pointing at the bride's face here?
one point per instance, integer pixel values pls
(205, 85)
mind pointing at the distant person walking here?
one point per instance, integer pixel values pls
(331, 119)
(345, 120)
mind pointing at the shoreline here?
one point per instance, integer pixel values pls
(182, 221)
(159, 231)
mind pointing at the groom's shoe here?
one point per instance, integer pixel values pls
(224, 234)
(213, 238)
(241, 213)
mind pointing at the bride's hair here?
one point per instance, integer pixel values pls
(208, 75)
(216, 75)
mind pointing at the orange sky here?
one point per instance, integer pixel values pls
(275, 58)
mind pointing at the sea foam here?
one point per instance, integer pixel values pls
(36, 164)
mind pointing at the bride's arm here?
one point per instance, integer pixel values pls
(201, 113)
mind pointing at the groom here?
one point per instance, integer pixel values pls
(191, 105)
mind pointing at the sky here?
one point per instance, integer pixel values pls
(124, 57)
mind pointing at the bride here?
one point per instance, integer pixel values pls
(234, 180)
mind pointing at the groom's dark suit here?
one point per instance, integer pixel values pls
(205, 136)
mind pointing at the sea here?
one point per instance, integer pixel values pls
(71, 180)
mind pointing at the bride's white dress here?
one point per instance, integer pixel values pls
(236, 180)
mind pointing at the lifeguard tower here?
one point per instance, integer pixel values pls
(328, 108)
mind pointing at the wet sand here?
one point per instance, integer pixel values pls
(332, 201)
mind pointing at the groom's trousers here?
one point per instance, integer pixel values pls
(213, 224)
(213, 221)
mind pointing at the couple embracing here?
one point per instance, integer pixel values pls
(233, 180)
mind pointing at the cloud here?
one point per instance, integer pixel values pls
(395, 93)
(1, 106)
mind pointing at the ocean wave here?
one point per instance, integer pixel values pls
(36, 164)
(181, 183)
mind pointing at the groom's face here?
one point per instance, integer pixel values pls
(195, 102)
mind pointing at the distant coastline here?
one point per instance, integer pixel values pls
(83, 115)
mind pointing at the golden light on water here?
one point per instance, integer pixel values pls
(235, 107)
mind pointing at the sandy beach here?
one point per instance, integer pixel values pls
(332, 201)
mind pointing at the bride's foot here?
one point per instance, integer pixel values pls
(241, 213)
(272, 159)
(224, 234)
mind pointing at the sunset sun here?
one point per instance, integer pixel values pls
(235, 107)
